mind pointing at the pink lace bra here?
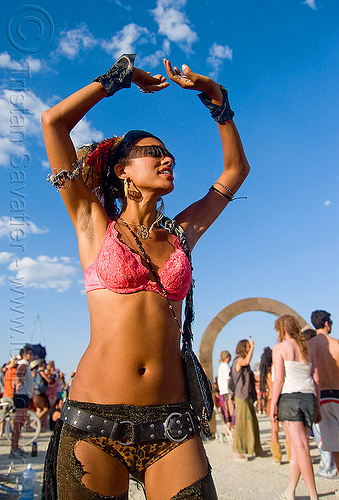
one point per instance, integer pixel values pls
(120, 270)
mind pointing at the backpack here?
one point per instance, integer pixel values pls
(40, 385)
(231, 381)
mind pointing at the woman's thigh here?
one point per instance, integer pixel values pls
(180, 468)
(84, 471)
(298, 434)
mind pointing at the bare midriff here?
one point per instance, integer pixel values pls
(134, 352)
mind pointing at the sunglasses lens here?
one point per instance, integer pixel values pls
(154, 151)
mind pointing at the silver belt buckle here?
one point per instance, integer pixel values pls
(167, 429)
(130, 442)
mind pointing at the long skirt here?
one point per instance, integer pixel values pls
(246, 438)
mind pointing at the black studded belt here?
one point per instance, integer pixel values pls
(176, 427)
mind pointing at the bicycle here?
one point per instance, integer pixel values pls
(29, 431)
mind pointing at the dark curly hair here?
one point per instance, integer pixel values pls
(309, 333)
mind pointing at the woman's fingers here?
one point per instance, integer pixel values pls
(173, 74)
(187, 79)
(178, 77)
(190, 74)
(152, 88)
(141, 76)
(147, 82)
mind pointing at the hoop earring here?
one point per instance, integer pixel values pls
(130, 193)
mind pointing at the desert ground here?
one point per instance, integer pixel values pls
(257, 479)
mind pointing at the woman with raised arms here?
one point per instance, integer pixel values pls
(128, 411)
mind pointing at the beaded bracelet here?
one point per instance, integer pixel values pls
(221, 193)
(225, 187)
(220, 113)
(119, 76)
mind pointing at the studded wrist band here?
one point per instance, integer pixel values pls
(119, 76)
(220, 113)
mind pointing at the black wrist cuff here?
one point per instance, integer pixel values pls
(220, 113)
(119, 76)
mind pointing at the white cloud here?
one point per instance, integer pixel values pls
(19, 117)
(125, 41)
(46, 272)
(8, 148)
(328, 202)
(154, 60)
(6, 257)
(71, 42)
(84, 132)
(45, 164)
(217, 55)
(20, 114)
(3, 278)
(7, 62)
(7, 225)
(174, 24)
(123, 5)
(311, 3)
(34, 65)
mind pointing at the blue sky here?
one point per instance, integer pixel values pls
(278, 60)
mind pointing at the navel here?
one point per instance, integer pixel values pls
(142, 371)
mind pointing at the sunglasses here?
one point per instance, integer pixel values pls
(153, 151)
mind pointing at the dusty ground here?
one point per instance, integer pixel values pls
(256, 479)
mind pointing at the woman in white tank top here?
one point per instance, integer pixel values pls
(296, 392)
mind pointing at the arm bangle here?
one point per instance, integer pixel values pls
(221, 193)
(63, 179)
(225, 187)
(119, 76)
(220, 113)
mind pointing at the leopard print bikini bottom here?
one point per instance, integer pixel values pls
(135, 457)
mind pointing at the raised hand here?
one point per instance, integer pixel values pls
(148, 83)
(187, 79)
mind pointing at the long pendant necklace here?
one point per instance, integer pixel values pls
(157, 279)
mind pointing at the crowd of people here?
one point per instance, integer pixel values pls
(298, 387)
(30, 383)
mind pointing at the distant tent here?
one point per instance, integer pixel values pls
(38, 349)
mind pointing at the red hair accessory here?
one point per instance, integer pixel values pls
(97, 158)
(95, 163)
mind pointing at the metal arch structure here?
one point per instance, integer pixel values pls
(212, 331)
